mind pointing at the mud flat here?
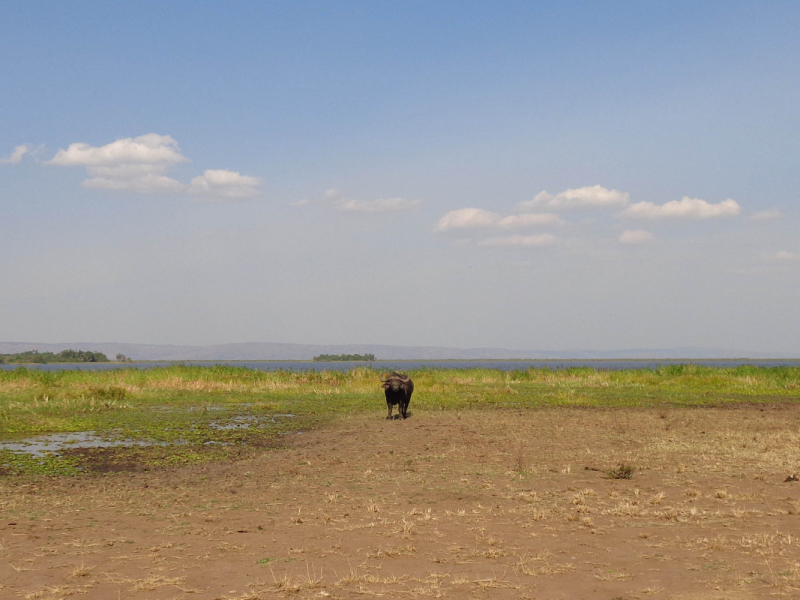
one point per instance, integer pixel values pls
(462, 503)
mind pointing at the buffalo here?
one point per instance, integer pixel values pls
(398, 389)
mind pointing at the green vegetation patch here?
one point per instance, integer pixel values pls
(12, 463)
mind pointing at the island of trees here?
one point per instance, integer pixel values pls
(343, 357)
(65, 356)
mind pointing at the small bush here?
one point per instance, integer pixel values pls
(110, 393)
(623, 471)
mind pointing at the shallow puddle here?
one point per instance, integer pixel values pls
(54, 443)
(246, 422)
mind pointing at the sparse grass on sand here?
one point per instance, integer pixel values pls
(501, 503)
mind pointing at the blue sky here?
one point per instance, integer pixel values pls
(200, 173)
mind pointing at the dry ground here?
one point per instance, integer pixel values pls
(472, 504)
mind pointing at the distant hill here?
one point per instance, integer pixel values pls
(275, 351)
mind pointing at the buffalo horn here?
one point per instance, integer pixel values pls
(394, 375)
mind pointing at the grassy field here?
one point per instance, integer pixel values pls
(194, 414)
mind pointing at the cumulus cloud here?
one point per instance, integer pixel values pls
(542, 239)
(382, 205)
(766, 215)
(685, 208)
(221, 183)
(149, 183)
(529, 220)
(139, 164)
(125, 171)
(584, 198)
(467, 217)
(530, 214)
(636, 236)
(16, 155)
(477, 217)
(150, 149)
(336, 198)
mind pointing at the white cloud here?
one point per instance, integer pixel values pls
(337, 199)
(590, 197)
(542, 239)
(150, 149)
(146, 184)
(139, 164)
(528, 220)
(766, 215)
(686, 208)
(328, 196)
(467, 217)
(16, 155)
(464, 218)
(125, 171)
(783, 255)
(636, 236)
(221, 183)
(382, 205)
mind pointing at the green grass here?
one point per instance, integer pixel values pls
(187, 404)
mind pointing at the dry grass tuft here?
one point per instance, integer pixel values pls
(623, 471)
(81, 571)
(494, 582)
(392, 552)
(148, 584)
(285, 585)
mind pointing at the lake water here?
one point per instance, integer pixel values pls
(406, 365)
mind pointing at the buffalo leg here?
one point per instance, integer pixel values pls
(389, 406)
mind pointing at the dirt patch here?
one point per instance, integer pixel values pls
(471, 504)
(143, 459)
(109, 460)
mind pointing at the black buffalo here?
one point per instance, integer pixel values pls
(398, 389)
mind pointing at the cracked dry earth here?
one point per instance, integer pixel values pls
(472, 504)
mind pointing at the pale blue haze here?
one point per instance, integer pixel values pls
(457, 104)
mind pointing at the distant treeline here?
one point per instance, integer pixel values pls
(343, 357)
(65, 356)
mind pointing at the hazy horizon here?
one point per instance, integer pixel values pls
(276, 351)
(514, 175)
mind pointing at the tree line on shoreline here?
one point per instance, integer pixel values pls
(344, 357)
(65, 356)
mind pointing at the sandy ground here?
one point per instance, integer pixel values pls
(473, 504)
